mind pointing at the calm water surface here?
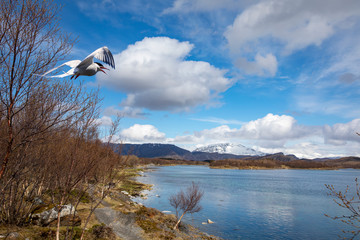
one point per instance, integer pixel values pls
(255, 204)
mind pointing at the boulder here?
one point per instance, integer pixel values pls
(13, 236)
(46, 217)
(209, 221)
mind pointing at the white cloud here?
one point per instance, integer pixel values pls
(155, 76)
(104, 121)
(285, 26)
(316, 149)
(295, 23)
(142, 133)
(274, 127)
(341, 133)
(269, 131)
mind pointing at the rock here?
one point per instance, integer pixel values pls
(166, 211)
(123, 225)
(204, 223)
(157, 195)
(13, 236)
(210, 222)
(46, 217)
(125, 192)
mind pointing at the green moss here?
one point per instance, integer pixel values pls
(132, 187)
(84, 196)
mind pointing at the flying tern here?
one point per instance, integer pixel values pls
(86, 67)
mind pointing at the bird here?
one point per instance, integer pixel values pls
(86, 67)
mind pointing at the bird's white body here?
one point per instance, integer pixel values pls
(90, 70)
(86, 67)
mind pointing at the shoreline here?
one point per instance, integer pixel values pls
(267, 168)
(152, 167)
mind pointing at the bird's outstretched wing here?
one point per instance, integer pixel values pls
(72, 64)
(103, 54)
(65, 74)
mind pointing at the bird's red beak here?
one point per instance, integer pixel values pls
(104, 68)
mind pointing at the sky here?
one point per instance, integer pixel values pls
(272, 75)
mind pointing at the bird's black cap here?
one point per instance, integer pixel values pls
(99, 64)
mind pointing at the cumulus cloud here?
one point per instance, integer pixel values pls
(155, 75)
(142, 133)
(274, 127)
(269, 131)
(341, 133)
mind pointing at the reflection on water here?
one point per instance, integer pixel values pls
(255, 204)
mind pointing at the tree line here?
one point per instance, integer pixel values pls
(49, 140)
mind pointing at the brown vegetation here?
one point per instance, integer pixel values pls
(266, 163)
(49, 147)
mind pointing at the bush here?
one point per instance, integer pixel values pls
(102, 232)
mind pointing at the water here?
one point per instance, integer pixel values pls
(256, 204)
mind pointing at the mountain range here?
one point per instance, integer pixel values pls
(210, 152)
(229, 148)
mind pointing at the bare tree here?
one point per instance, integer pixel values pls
(105, 174)
(350, 202)
(186, 202)
(31, 42)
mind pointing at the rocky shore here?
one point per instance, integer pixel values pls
(117, 217)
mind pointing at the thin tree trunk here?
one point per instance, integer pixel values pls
(178, 222)
(10, 141)
(58, 222)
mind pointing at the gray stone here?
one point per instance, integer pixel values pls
(44, 218)
(122, 224)
(13, 235)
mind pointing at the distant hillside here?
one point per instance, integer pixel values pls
(159, 152)
(154, 150)
(170, 151)
(276, 156)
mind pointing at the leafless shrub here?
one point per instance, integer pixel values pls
(351, 202)
(186, 202)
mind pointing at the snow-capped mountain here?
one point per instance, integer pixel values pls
(229, 148)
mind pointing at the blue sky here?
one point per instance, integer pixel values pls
(274, 75)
